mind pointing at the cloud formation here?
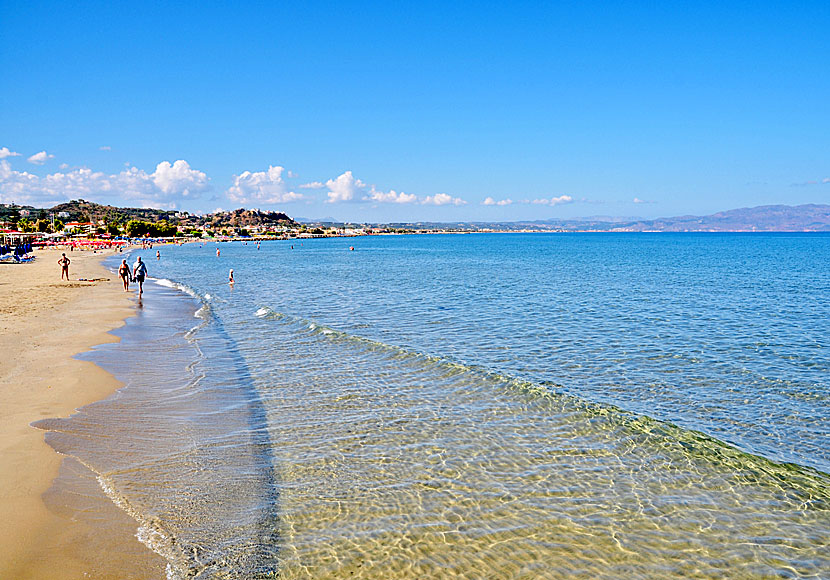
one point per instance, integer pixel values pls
(263, 187)
(168, 185)
(347, 188)
(4, 152)
(554, 200)
(105, 148)
(390, 196)
(40, 158)
(443, 199)
(491, 201)
(344, 187)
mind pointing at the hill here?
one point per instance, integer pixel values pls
(765, 218)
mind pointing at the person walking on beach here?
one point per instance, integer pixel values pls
(64, 264)
(139, 271)
(124, 272)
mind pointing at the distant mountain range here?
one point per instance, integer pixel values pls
(766, 218)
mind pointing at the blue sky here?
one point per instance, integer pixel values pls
(436, 111)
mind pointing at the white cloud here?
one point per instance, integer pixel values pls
(313, 185)
(491, 201)
(105, 148)
(165, 187)
(40, 158)
(826, 180)
(442, 199)
(4, 152)
(344, 187)
(347, 188)
(638, 200)
(5, 170)
(262, 187)
(554, 200)
(179, 179)
(391, 196)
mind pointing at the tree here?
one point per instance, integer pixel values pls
(164, 229)
(113, 229)
(24, 225)
(42, 225)
(136, 228)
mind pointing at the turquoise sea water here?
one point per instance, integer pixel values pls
(505, 406)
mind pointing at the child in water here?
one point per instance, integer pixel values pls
(230, 277)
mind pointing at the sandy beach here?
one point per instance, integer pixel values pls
(44, 322)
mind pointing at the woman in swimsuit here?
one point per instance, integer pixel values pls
(124, 272)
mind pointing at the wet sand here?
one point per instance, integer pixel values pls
(44, 322)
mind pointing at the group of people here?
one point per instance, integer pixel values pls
(128, 275)
(137, 274)
(139, 271)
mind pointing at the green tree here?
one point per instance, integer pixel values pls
(137, 228)
(24, 225)
(113, 229)
(164, 229)
(42, 225)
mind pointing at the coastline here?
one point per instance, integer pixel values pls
(44, 323)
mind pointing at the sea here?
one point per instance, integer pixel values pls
(580, 405)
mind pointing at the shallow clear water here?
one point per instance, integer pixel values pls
(501, 406)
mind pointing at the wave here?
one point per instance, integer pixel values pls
(553, 394)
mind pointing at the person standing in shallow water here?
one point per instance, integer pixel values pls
(139, 271)
(64, 264)
(124, 272)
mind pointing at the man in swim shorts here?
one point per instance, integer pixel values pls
(139, 271)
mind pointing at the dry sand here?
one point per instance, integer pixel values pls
(44, 322)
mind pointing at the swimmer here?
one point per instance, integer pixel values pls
(230, 277)
(158, 255)
(217, 252)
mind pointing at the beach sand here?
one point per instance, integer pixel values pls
(45, 527)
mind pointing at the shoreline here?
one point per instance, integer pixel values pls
(44, 324)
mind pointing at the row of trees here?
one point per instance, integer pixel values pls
(41, 225)
(133, 228)
(139, 229)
